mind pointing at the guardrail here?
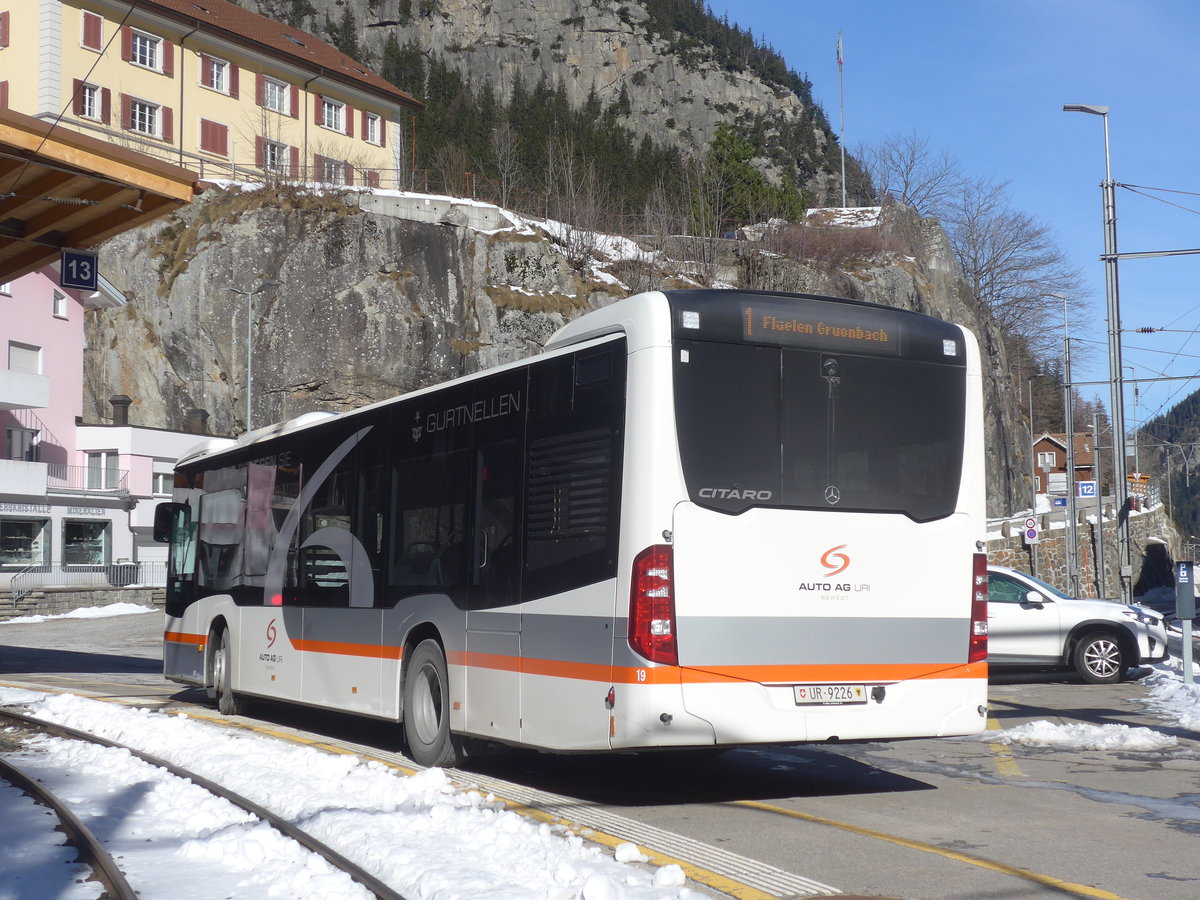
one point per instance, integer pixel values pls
(58, 575)
(86, 478)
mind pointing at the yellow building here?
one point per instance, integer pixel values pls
(205, 85)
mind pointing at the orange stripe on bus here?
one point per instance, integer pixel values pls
(182, 637)
(338, 648)
(599, 672)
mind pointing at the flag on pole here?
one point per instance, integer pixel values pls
(839, 48)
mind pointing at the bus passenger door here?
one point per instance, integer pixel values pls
(493, 616)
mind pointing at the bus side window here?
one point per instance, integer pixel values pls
(324, 580)
(573, 470)
(429, 501)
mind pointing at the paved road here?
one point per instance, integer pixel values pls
(930, 820)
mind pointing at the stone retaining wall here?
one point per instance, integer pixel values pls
(1154, 543)
(52, 602)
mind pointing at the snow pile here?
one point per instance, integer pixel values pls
(1078, 736)
(1170, 698)
(87, 612)
(419, 833)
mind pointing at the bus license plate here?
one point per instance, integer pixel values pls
(829, 694)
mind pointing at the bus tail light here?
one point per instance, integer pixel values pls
(978, 649)
(652, 606)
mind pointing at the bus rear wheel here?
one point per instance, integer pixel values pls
(427, 707)
(228, 703)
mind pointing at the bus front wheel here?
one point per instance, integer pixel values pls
(228, 703)
(427, 706)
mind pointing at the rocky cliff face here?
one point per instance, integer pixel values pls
(375, 303)
(676, 96)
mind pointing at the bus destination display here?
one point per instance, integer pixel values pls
(821, 326)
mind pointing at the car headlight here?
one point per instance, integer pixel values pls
(1142, 616)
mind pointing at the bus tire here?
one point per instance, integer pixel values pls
(427, 706)
(1098, 658)
(228, 703)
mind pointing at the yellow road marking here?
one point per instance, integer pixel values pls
(1081, 890)
(1005, 764)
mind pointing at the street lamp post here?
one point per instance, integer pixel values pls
(1115, 375)
(249, 295)
(1033, 554)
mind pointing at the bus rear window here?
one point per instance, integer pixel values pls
(799, 428)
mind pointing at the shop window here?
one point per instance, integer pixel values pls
(24, 542)
(86, 544)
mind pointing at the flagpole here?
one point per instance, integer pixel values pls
(842, 123)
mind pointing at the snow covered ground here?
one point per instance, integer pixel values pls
(425, 836)
(419, 833)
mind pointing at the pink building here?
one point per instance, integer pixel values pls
(76, 501)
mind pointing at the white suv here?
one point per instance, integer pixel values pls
(1031, 623)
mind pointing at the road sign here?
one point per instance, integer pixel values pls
(1031, 536)
(1058, 501)
(77, 269)
(1030, 522)
(1086, 488)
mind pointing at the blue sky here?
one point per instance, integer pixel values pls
(985, 80)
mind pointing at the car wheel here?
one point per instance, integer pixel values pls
(1098, 658)
(228, 703)
(427, 707)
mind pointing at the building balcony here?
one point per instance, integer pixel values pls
(21, 478)
(23, 390)
(86, 479)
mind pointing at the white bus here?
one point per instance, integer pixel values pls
(698, 519)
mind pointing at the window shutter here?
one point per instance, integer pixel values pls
(362, 126)
(77, 97)
(349, 174)
(294, 106)
(206, 70)
(24, 358)
(260, 89)
(349, 111)
(382, 131)
(233, 81)
(126, 111)
(258, 151)
(221, 136)
(317, 102)
(168, 123)
(372, 178)
(168, 58)
(318, 167)
(4, 28)
(92, 30)
(126, 43)
(294, 152)
(105, 105)
(3, 95)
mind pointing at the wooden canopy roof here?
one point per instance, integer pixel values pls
(61, 189)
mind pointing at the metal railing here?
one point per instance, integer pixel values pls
(61, 477)
(84, 577)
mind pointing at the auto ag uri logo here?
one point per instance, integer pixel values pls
(834, 561)
(271, 634)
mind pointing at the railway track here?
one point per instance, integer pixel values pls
(93, 852)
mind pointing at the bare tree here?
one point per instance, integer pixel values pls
(906, 168)
(576, 199)
(507, 157)
(1013, 264)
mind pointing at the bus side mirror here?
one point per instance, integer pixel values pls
(165, 519)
